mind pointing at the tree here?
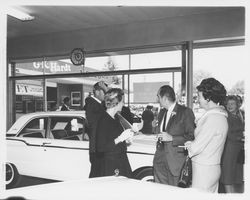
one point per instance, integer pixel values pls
(198, 76)
(112, 66)
(238, 88)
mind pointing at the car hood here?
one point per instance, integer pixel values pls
(99, 188)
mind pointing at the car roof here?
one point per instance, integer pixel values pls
(24, 118)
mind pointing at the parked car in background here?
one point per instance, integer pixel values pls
(54, 145)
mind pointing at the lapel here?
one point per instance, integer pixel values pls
(172, 117)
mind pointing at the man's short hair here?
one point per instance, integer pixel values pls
(167, 91)
(99, 86)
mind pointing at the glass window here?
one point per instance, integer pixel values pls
(143, 91)
(156, 60)
(226, 64)
(107, 63)
(71, 128)
(29, 96)
(77, 89)
(35, 128)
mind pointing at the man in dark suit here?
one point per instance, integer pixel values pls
(65, 106)
(176, 126)
(94, 108)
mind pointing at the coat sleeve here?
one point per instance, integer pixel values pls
(189, 127)
(93, 113)
(209, 128)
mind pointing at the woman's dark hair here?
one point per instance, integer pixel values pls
(113, 97)
(212, 90)
(167, 91)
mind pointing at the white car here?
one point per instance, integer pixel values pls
(109, 187)
(54, 145)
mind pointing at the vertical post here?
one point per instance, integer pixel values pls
(45, 107)
(183, 74)
(129, 78)
(11, 95)
(190, 74)
(3, 98)
(173, 80)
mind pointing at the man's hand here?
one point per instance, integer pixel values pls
(166, 137)
(187, 145)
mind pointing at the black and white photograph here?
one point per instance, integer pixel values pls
(124, 100)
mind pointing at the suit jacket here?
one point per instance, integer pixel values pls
(181, 126)
(94, 111)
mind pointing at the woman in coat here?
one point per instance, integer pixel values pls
(111, 138)
(210, 136)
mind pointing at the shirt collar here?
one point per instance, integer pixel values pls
(96, 99)
(171, 108)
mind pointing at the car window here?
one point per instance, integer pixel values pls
(36, 128)
(67, 128)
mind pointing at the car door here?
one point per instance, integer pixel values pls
(66, 150)
(26, 150)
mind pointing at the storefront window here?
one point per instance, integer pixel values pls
(226, 64)
(144, 87)
(29, 97)
(156, 60)
(77, 89)
(107, 63)
(47, 93)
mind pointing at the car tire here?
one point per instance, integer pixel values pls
(144, 174)
(12, 176)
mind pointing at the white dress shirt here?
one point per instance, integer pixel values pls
(168, 113)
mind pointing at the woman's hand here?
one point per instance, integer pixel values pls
(125, 135)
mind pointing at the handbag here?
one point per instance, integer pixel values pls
(186, 174)
(241, 156)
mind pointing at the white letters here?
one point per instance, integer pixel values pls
(53, 67)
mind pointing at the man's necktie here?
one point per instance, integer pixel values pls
(164, 122)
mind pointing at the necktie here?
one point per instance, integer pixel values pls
(164, 122)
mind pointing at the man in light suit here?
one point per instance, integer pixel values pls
(94, 108)
(175, 127)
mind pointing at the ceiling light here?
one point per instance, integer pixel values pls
(19, 14)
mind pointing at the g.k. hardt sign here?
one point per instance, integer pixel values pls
(48, 67)
(52, 66)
